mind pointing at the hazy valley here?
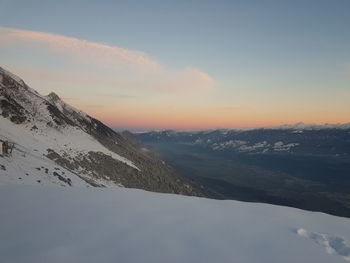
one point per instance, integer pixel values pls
(301, 166)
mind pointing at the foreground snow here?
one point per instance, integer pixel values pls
(49, 224)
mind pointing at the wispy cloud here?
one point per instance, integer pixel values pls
(230, 108)
(93, 106)
(111, 56)
(117, 96)
(133, 69)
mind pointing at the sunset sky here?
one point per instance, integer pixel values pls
(144, 65)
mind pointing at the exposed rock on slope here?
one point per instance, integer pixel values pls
(47, 128)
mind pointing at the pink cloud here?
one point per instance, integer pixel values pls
(128, 67)
(81, 49)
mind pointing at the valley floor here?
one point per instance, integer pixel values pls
(52, 224)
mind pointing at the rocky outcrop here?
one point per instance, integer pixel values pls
(117, 159)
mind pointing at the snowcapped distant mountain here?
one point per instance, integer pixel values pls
(297, 139)
(303, 126)
(300, 167)
(58, 144)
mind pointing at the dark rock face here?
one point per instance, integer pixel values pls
(61, 178)
(22, 105)
(10, 108)
(58, 117)
(153, 175)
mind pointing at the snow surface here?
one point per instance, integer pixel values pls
(31, 147)
(281, 147)
(27, 164)
(52, 224)
(242, 146)
(332, 244)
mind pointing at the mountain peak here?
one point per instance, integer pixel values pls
(13, 77)
(53, 97)
(56, 143)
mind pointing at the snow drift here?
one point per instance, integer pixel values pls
(50, 224)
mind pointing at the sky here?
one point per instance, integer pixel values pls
(185, 65)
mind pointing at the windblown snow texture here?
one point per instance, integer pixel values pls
(51, 224)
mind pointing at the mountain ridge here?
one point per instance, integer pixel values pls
(295, 126)
(48, 128)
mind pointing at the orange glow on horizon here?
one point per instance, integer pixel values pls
(201, 120)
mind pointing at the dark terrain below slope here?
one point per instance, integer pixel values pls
(314, 176)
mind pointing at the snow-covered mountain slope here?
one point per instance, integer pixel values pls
(46, 224)
(29, 164)
(49, 135)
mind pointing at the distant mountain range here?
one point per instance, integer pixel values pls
(304, 166)
(58, 144)
(298, 139)
(303, 126)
